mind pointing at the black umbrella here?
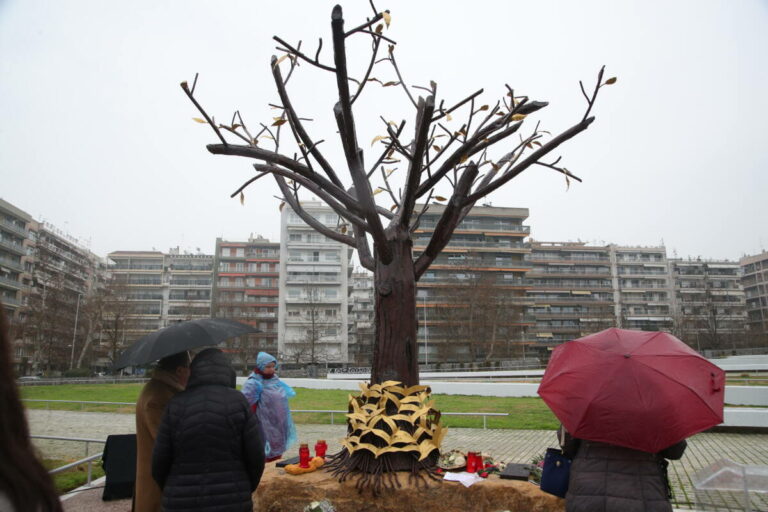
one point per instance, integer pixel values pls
(179, 337)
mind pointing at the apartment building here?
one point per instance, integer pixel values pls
(152, 290)
(755, 283)
(313, 289)
(572, 291)
(140, 292)
(60, 274)
(14, 243)
(471, 301)
(245, 288)
(709, 303)
(361, 319)
(642, 288)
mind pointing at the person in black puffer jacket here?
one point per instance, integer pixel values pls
(209, 455)
(609, 478)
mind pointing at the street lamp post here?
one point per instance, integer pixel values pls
(74, 333)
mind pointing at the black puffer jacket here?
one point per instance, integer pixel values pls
(209, 455)
(608, 478)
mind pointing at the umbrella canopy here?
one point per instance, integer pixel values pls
(179, 337)
(637, 389)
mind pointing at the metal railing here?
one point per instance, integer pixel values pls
(88, 459)
(332, 412)
(81, 402)
(61, 381)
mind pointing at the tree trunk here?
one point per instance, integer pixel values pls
(395, 354)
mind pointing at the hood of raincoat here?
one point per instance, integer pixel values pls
(211, 367)
(263, 359)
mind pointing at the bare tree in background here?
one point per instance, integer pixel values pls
(465, 159)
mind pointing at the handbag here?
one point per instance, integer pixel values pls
(555, 473)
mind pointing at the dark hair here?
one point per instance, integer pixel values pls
(23, 478)
(170, 363)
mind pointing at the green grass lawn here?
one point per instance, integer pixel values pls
(524, 413)
(73, 478)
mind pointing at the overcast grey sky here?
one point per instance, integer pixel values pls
(97, 137)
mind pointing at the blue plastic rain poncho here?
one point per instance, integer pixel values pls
(269, 397)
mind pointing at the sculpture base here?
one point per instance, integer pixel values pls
(281, 492)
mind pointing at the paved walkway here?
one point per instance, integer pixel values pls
(507, 445)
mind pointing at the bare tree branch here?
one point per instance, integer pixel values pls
(283, 161)
(448, 221)
(202, 111)
(363, 250)
(376, 44)
(561, 170)
(314, 188)
(532, 158)
(345, 120)
(399, 76)
(293, 51)
(444, 113)
(421, 136)
(387, 150)
(293, 118)
(365, 25)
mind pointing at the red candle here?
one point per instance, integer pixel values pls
(320, 448)
(304, 456)
(471, 462)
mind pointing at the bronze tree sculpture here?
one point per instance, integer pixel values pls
(392, 426)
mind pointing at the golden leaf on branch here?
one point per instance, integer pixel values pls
(278, 122)
(448, 117)
(281, 59)
(389, 172)
(518, 117)
(392, 208)
(198, 120)
(389, 84)
(610, 81)
(387, 18)
(484, 107)
(379, 28)
(440, 198)
(378, 138)
(537, 143)
(343, 229)
(436, 147)
(379, 190)
(463, 159)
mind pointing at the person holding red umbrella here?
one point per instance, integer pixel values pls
(632, 398)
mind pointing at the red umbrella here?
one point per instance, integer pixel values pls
(638, 389)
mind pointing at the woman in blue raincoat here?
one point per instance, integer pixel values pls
(268, 396)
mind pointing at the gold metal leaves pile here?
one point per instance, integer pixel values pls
(414, 426)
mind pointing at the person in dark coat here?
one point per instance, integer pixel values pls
(609, 478)
(209, 454)
(169, 378)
